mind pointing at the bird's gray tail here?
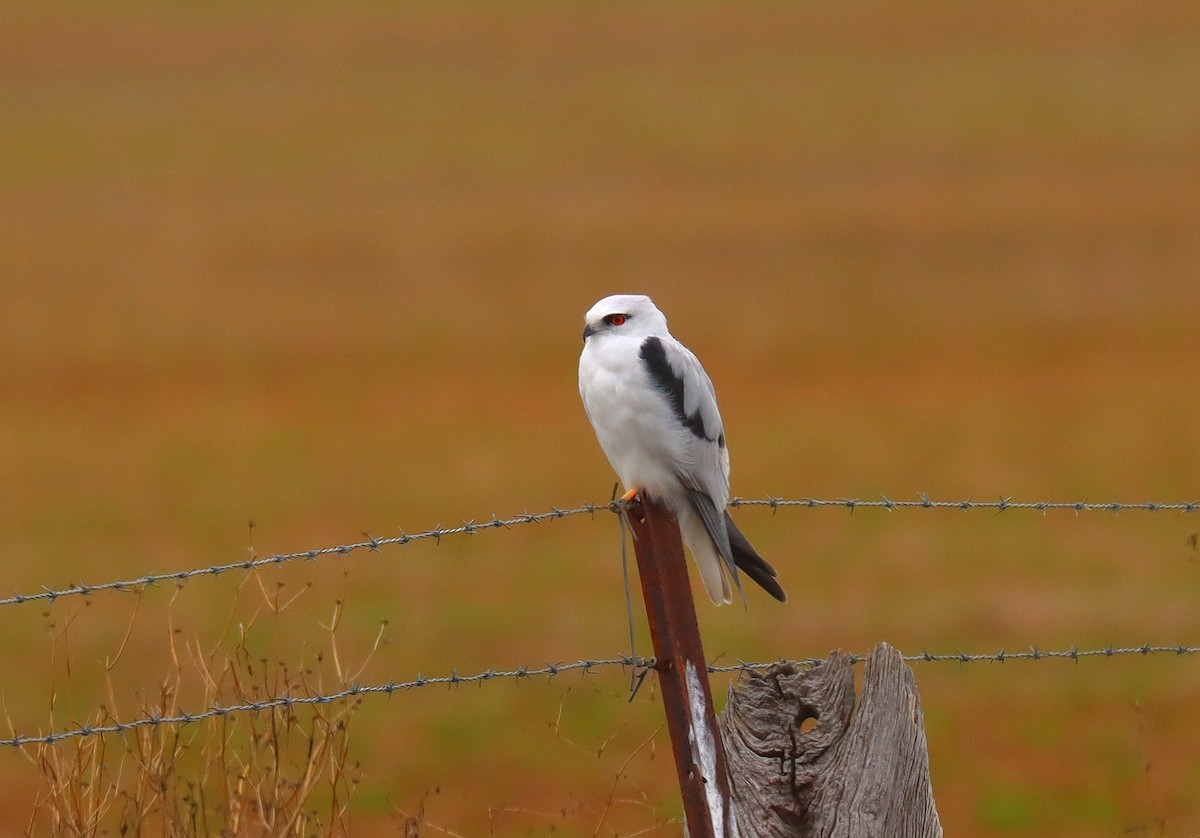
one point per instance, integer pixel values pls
(707, 512)
(733, 547)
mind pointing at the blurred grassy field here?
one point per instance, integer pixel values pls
(323, 267)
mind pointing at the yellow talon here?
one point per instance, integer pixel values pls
(630, 495)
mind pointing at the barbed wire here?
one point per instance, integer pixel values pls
(1000, 505)
(473, 527)
(550, 670)
(372, 544)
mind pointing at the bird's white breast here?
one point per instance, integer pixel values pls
(636, 427)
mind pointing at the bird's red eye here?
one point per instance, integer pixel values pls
(615, 319)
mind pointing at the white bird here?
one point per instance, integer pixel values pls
(655, 414)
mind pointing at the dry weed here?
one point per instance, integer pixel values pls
(280, 771)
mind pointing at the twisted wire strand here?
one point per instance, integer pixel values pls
(472, 527)
(1000, 505)
(372, 544)
(550, 670)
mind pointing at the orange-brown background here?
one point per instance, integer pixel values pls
(323, 266)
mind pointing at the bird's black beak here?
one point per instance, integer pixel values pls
(588, 331)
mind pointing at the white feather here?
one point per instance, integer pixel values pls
(640, 431)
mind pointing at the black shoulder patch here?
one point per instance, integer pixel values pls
(654, 357)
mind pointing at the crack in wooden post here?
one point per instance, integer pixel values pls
(861, 772)
(682, 672)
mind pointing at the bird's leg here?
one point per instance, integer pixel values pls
(621, 507)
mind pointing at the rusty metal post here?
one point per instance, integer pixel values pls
(682, 673)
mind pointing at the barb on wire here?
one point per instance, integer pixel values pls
(472, 527)
(550, 670)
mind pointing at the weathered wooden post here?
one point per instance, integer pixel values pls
(861, 772)
(682, 673)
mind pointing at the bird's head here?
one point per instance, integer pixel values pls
(634, 315)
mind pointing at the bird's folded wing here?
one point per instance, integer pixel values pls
(677, 373)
